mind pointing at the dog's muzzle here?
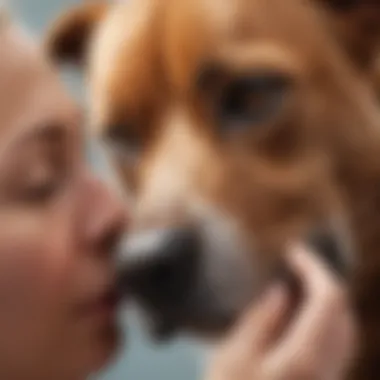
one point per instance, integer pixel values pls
(183, 283)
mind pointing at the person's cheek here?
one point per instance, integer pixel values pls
(32, 273)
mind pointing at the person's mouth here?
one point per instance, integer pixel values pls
(103, 308)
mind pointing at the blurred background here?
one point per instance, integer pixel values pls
(142, 360)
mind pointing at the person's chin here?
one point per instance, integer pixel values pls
(106, 351)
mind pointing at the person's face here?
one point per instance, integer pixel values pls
(58, 226)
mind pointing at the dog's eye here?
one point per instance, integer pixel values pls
(341, 5)
(123, 144)
(252, 100)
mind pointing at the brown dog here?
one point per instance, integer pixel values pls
(237, 126)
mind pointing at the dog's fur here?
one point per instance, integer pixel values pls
(157, 72)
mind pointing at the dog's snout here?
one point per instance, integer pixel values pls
(159, 267)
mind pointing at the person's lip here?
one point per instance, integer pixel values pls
(103, 307)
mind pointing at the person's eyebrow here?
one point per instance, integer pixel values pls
(53, 131)
(50, 130)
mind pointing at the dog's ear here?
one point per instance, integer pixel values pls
(68, 38)
(356, 23)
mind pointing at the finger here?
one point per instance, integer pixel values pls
(321, 309)
(316, 277)
(259, 325)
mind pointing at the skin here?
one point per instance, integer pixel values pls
(58, 228)
(316, 345)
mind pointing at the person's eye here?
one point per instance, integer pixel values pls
(39, 186)
(42, 191)
(251, 101)
(38, 168)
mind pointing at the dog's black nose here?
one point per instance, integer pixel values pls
(159, 268)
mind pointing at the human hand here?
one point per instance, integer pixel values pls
(315, 345)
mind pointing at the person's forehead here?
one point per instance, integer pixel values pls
(30, 90)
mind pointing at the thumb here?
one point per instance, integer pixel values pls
(320, 311)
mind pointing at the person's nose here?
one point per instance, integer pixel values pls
(106, 217)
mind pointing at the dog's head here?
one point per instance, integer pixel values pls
(236, 126)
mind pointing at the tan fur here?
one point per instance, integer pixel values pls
(317, 158)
